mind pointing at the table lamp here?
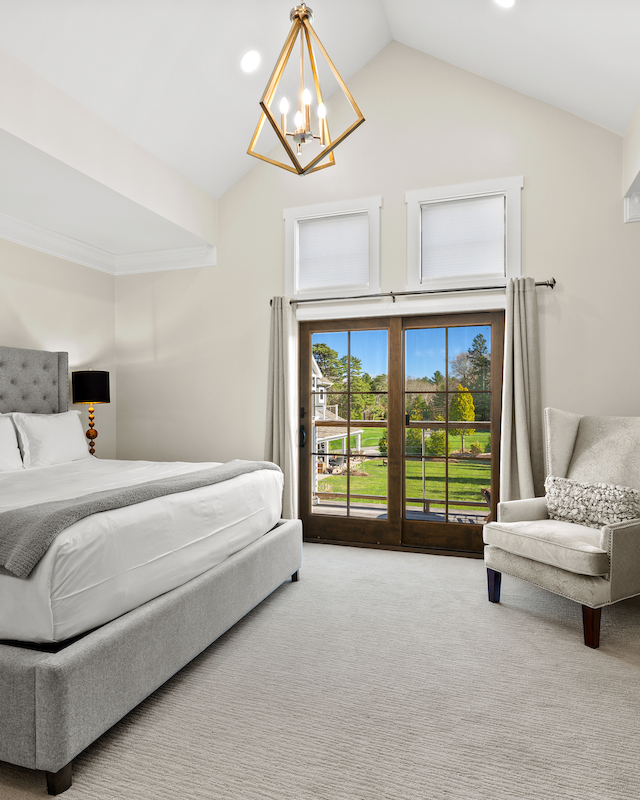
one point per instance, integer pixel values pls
(90, 386)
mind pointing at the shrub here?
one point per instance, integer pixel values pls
(487, 448)
(436, 444)
(475, 448)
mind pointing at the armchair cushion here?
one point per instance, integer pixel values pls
(523, 510)
(575, 548)
(606, 449)
(590, 504)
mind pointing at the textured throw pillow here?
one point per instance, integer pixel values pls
(48, 439)
(591, 504)
(10, 457)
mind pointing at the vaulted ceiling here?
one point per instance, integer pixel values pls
(165, 73)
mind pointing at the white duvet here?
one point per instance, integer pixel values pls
(109, 563)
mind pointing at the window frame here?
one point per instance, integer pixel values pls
(509, 188)
(293, 216)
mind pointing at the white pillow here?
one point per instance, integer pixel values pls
(591, 504)
(48, 439)
(10, 457)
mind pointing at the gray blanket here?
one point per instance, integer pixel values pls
(26, 533)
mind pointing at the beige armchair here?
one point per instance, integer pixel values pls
(593, 567)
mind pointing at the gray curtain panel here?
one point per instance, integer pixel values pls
(521, 452)
(281, 441)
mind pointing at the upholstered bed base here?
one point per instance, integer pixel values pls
(53, 705)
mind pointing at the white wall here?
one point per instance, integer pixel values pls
(192, 346)
(47, 303)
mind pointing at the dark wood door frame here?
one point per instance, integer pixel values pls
(395, 533)
(351, 530)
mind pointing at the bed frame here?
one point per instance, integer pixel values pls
(55, 701)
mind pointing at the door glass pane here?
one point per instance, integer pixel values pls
(327, 406)
(329, 363)
(326, 496)
(425, 359)
(469, 351)
(461, 409)
(370, 442)
(368, 406)
(360, 479)
(336, 442)
(482, 405)
(368, 487)
(477, 443)
(425, 406)
(430, 442)
(468, 477)
(369, 361)
(425, 489)
(466, 406)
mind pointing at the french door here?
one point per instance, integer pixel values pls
(400, 421)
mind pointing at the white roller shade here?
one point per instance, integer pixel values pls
(333, 251)
(463, 238)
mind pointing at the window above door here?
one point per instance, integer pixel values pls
(333, 249)
(464, 236)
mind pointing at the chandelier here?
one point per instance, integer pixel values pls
(305, 138)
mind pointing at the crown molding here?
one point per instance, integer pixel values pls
(162, 260)
(57, 244)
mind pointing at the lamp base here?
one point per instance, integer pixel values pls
(92, 433)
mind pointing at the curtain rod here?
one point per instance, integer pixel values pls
(550, 283)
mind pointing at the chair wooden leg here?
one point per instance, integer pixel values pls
(494, 580)
(58, 782)
(591, 624)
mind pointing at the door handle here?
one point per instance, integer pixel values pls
(303, 436)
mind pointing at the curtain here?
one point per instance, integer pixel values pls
(521, 450)
(281, 441)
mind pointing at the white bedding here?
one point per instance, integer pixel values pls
(109, 563)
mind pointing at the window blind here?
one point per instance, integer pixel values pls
(463, 238)
(333, 251)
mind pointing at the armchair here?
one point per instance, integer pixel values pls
(593, 567)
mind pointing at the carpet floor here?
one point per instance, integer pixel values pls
(384, 675)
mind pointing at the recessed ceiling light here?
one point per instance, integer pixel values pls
(506, 3)
(249, 61)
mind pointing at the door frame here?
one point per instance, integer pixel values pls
(395, 532)
(462, 538)
(351, 530)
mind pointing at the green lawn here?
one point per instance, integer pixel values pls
(371, 437)
(466, 477)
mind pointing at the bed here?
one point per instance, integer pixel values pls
(81, 648)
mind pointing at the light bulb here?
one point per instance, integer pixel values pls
(298, 119)
(506, 3)
(306, 97)
(284, 105)
(322, 111)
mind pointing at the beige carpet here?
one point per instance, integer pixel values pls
(385, 675)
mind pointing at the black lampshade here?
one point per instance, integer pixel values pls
(90, 386)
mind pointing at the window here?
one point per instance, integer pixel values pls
(464, 236)
(333, 249)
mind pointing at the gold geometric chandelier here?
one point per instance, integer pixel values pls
(306, 149)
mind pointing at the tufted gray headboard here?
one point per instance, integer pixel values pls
(33, 381)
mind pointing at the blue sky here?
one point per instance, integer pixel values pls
(425, 347)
